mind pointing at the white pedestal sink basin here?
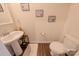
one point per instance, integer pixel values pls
(12, 38)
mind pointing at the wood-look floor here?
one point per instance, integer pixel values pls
(43, 49)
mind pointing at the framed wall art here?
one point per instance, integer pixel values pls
(51, 18)
(25, 6)
(39, 13)
(1, 8)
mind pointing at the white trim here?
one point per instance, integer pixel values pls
(6, 23)
(40, 42)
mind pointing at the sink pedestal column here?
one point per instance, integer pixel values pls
(16, 47)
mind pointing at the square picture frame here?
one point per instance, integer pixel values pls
(25, 6)
(39, 13)
(51, 18)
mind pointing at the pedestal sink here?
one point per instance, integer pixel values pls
(12, 39)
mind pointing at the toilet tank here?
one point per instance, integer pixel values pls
(71, 42)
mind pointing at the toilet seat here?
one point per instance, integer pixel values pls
(57, 48)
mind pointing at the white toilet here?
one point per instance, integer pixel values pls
(69, 43)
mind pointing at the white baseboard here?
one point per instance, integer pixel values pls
(40, 41)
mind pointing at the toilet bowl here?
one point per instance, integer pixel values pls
(57, 48)
(69, 43)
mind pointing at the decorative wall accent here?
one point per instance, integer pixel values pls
(25, 6)
(1, 8)
(51, 18)
(39, 13)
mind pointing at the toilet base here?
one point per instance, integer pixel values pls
(54, 54)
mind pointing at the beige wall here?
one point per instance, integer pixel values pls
(7, 28)
(72, 24)
(5, 16)
(6, 22)
(34, 26)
